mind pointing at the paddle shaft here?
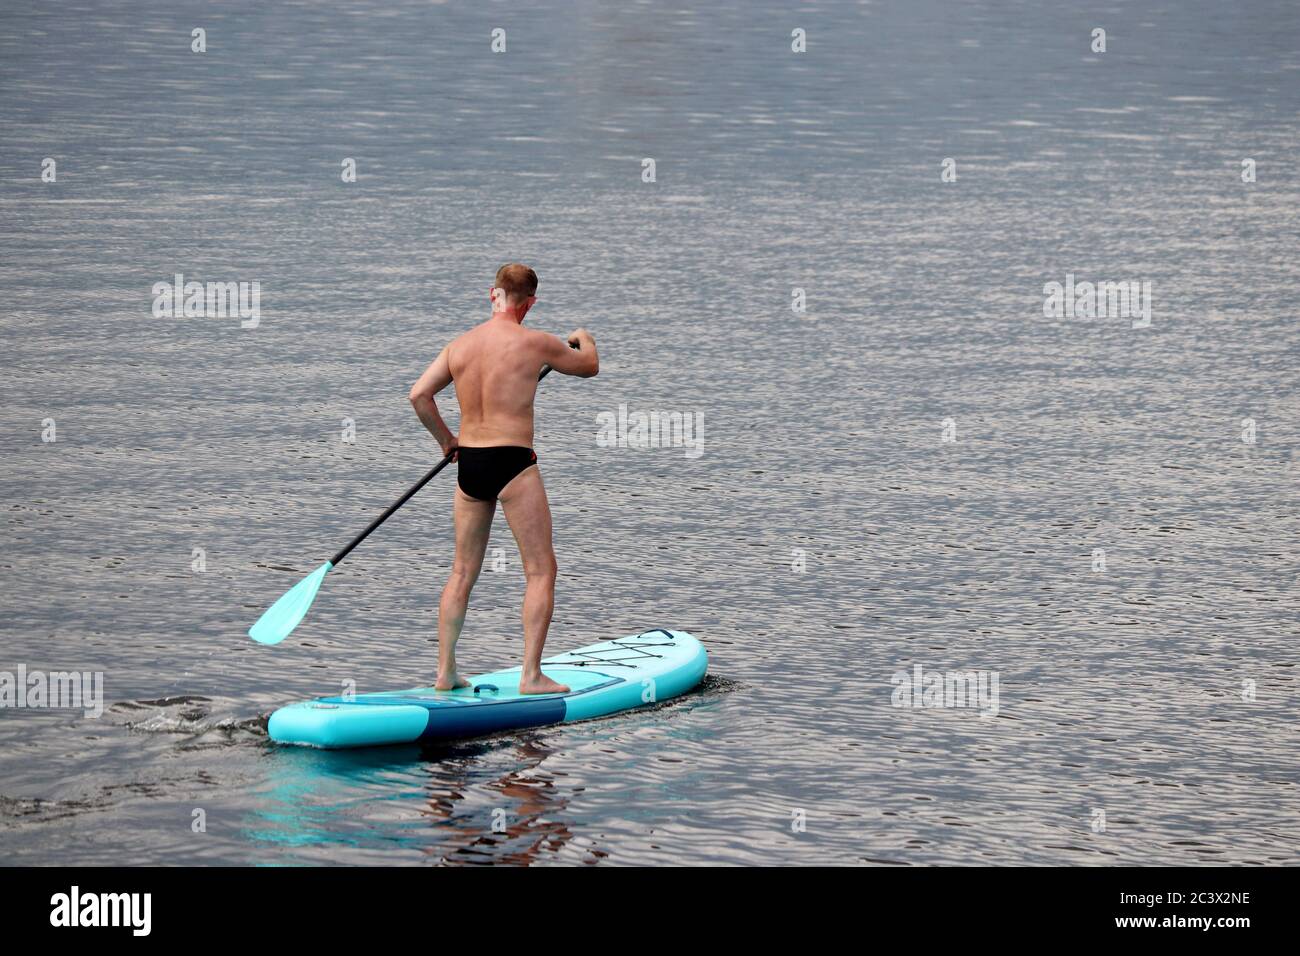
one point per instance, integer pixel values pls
(405, 498)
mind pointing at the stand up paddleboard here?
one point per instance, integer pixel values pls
(603, 678)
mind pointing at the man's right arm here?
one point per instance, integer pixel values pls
(435, 378)
(581, 361)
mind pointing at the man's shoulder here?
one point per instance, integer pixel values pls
(540, 339)
(466, 338)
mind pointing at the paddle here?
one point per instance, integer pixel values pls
(284, 615)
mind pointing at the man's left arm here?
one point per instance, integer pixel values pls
(435, 378)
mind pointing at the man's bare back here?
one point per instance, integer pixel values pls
(495, 367)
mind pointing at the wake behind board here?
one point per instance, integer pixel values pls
(603, 679)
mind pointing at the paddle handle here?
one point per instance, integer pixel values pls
(546, 370)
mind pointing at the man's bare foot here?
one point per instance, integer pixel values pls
(541, 684)
(450, 681)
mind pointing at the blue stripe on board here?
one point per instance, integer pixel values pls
(458, 722)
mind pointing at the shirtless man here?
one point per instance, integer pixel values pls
(495, 367)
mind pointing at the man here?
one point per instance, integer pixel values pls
(495, 367)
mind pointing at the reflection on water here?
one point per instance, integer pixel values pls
(399, 799)
(493, 800)
(827, 537)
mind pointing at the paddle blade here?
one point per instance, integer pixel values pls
(283, 616)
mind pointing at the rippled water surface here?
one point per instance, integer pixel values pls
(828, 536)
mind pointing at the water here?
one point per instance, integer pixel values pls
(1122, 691)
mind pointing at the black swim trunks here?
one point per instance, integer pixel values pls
(483, 472)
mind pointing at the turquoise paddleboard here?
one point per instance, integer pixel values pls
(604, 678)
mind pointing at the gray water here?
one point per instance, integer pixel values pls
(1158, 691)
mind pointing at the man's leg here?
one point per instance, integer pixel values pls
(473, 524)
(529, 514)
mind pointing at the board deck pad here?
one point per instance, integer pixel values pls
(605, 678)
